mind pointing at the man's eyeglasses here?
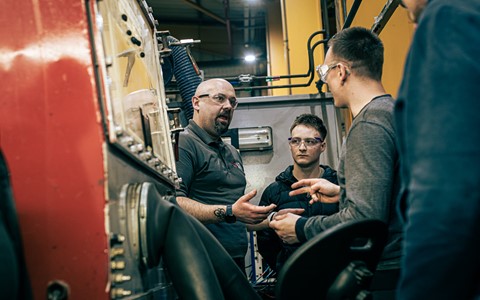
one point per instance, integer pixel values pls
(308, 142)
(221, 99)
(323, 70)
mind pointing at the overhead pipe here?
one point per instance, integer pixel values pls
(285, 41)
(180, 65)
(311, 67)
(310, 62)
(226, 6)
(310, 72)
(267, 87)
(310, 49)
(344, 6)
(351, 14)
(325, 23)
(385, 15)
(206, 11)
(246, 24)
(340, 12)
(249, 27)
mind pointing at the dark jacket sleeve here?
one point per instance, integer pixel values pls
(269, 244)
(14, 283)
(438, 113)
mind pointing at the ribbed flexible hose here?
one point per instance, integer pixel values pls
(179, 64)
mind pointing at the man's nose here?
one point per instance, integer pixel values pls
(302, 145)
(227, 105)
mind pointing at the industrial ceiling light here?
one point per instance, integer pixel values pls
(250, 58)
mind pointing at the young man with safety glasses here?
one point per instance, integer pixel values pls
(306, 144)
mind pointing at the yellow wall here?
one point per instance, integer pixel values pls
(276, 58)
(303, 17)
(396, 37)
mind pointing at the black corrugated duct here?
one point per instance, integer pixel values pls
(199, 267)
(180, 65)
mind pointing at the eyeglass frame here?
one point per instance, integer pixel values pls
(332, 66)
(215, 98)
(323, 74)
(318, 140)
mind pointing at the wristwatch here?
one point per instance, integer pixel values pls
(229, 216)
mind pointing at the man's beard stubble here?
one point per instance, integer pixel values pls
(221, 128)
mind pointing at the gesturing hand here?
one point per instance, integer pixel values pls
(321, 190)
(249, 213)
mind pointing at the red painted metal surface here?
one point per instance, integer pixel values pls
(52, 138)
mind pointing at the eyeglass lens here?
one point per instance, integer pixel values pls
(221, 99)
(309, 142)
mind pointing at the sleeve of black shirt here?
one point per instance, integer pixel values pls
(185, 166)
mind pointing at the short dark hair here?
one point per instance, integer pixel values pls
(360, 47)
(310, 120)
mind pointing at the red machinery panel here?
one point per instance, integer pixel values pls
(52, 138)
(70, 144)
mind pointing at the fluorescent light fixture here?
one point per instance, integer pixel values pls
(250, 138)
(250, 58)
(255, 138)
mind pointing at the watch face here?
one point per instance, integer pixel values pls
(230, 219)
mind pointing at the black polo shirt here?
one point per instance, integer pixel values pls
(212, 173)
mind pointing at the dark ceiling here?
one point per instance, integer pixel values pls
(227, 29)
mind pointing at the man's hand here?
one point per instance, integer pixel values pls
(266, 223)
(284, 226)
(297, 211)
(321, 190)
(249, 213)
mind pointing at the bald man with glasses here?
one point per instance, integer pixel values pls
(213, 182)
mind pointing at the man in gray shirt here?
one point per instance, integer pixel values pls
(368, 173)
(213, 181)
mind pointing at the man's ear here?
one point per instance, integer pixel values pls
(195, 103)
(323, 146)
(343, 72)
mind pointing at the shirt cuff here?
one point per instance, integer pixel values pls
(271, 216)
(299, 229)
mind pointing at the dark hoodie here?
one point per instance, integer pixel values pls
(269, 244)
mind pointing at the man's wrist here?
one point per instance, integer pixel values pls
(229, 216)
(220, 213)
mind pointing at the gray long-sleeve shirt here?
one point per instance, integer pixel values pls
(368, 176)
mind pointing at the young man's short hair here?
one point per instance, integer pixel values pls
(361, 48)
(310, 120)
